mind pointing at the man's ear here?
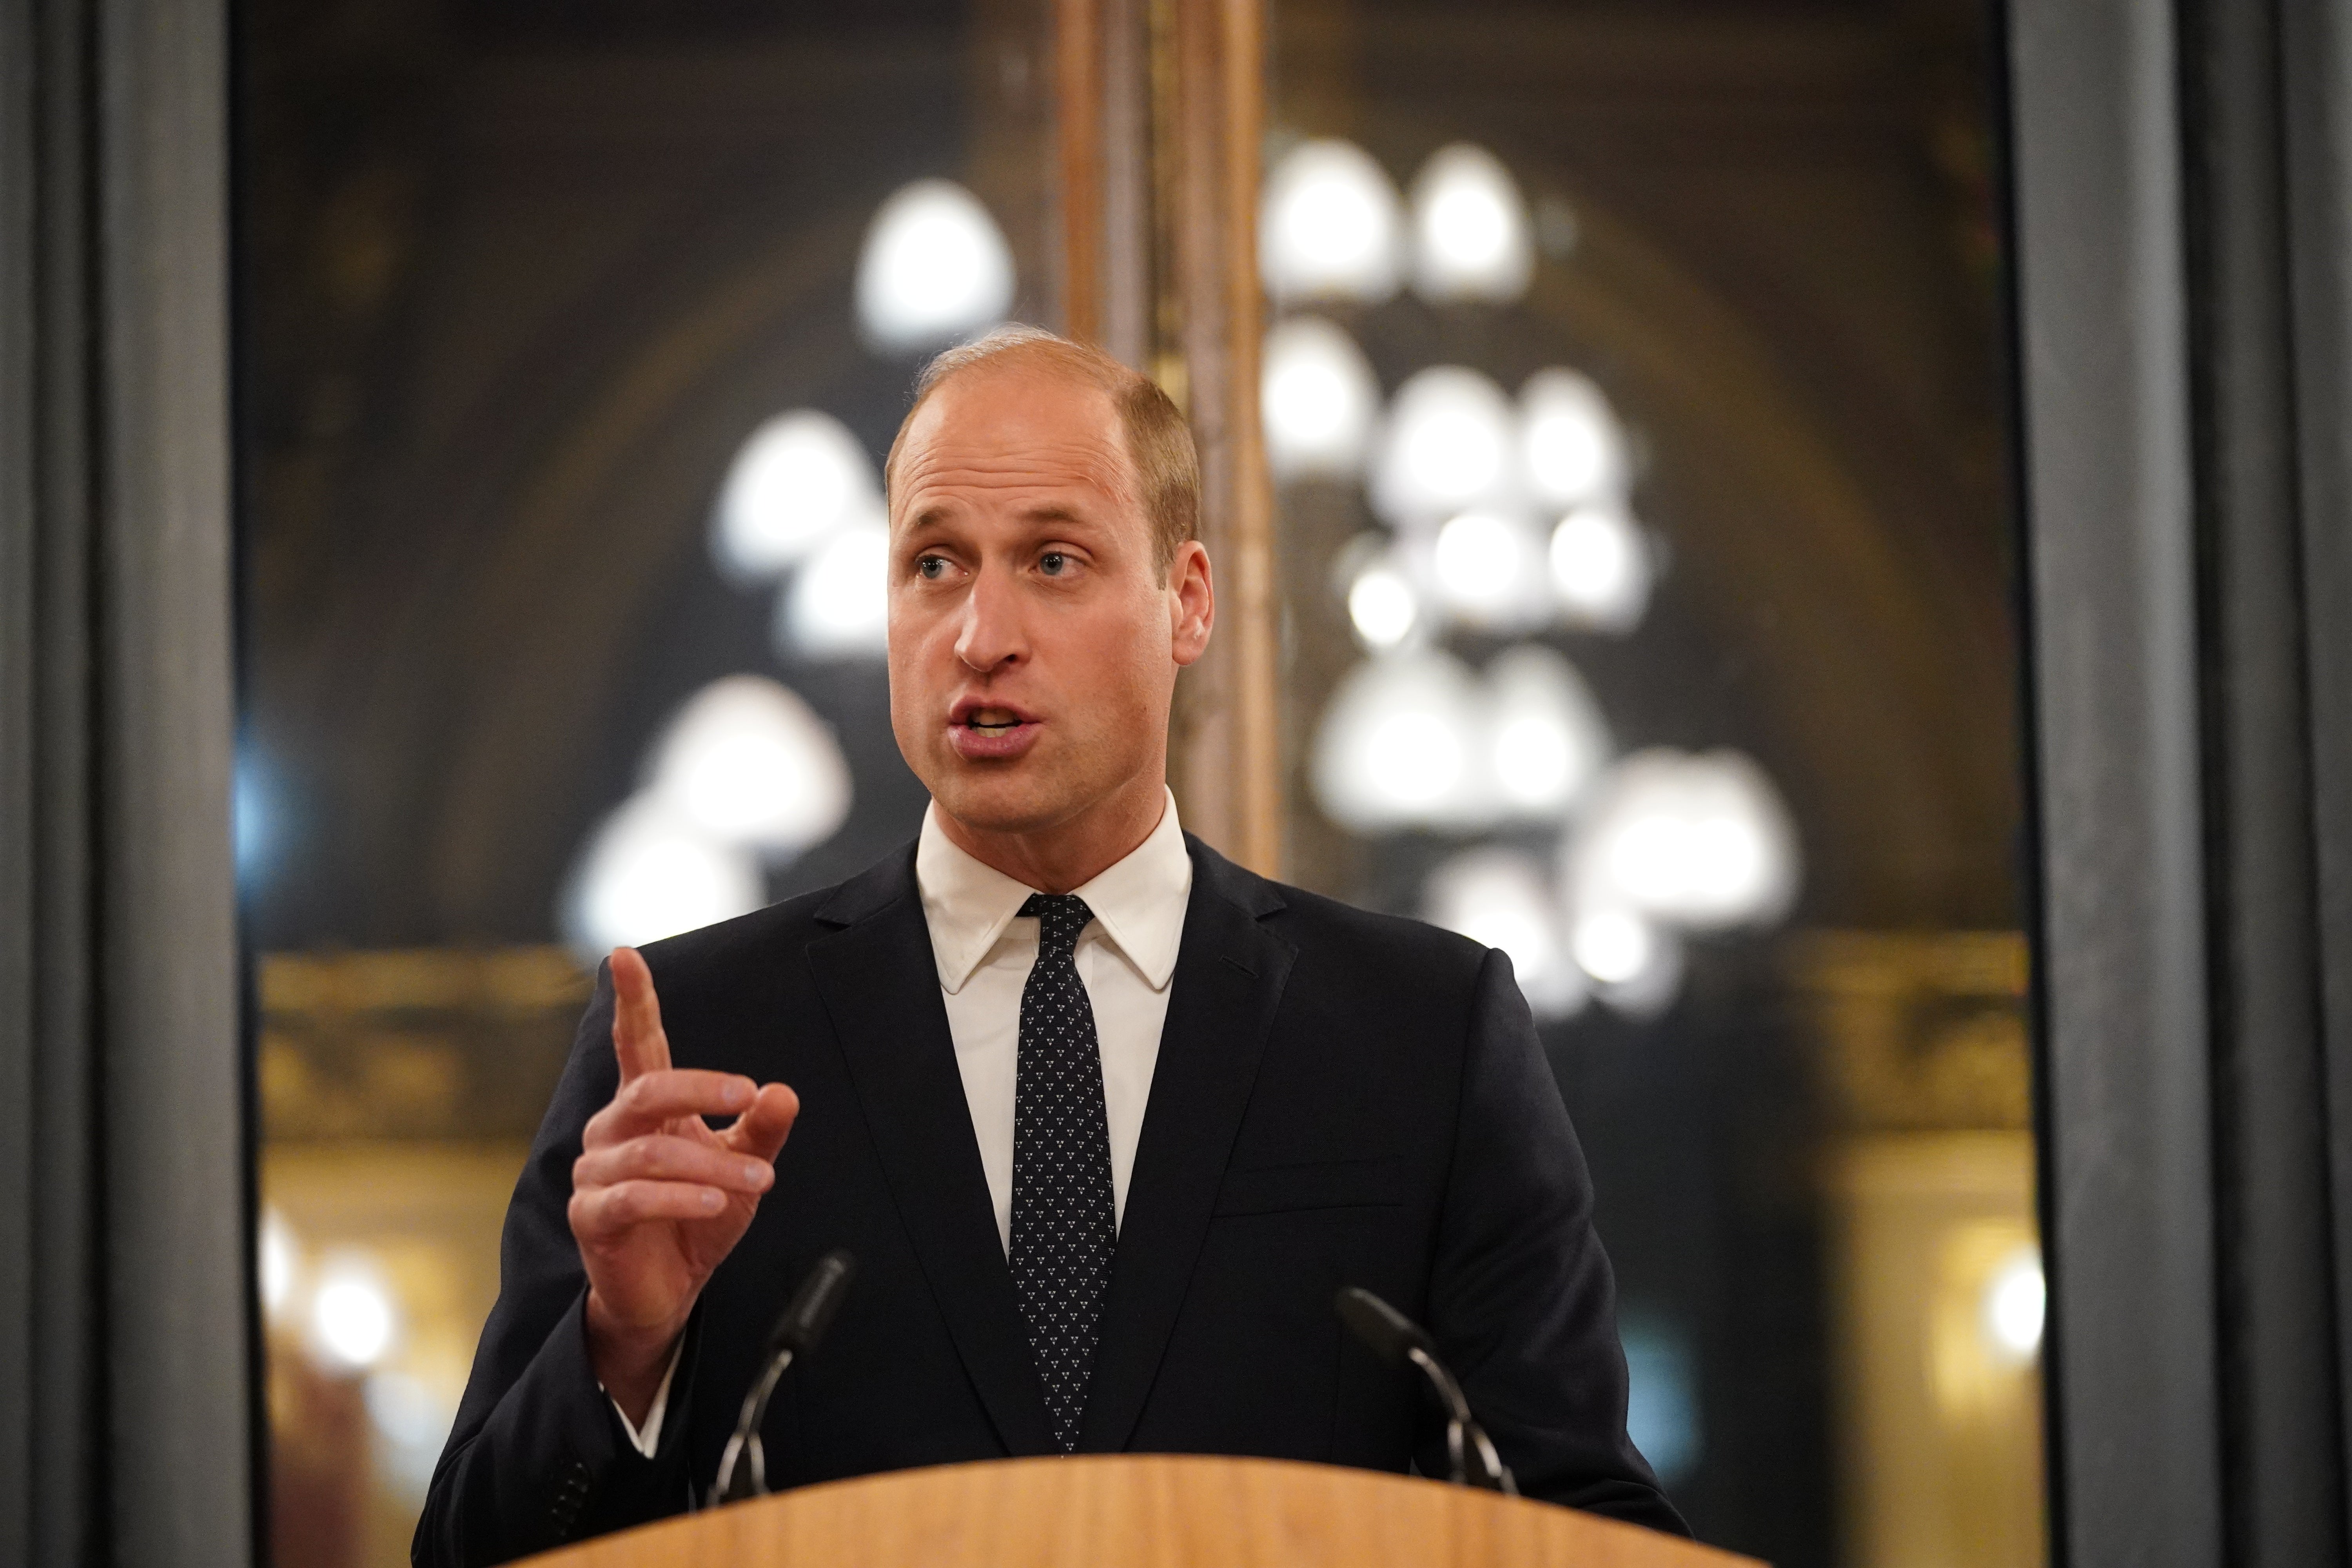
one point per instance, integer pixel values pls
(1192, 601)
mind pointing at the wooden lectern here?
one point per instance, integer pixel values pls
(1139, 1510)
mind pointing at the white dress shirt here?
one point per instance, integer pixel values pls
(985, 949)
(1126, 957)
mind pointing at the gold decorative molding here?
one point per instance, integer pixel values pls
(1920, 1031)
(414, 1043)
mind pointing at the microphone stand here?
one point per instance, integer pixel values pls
(1463, 1433)
(1397, 1340)
(743, 1466)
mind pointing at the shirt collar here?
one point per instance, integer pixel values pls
(1139, 901)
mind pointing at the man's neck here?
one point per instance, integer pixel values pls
(1069, 854)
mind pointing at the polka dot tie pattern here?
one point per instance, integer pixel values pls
(1064, 1222)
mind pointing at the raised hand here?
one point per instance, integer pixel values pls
(658, 1197)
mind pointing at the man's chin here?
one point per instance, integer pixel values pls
(1006, 797)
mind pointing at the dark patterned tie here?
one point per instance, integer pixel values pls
(1064, 1222)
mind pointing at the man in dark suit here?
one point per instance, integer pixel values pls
(1105, 1119)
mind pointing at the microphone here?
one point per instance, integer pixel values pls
(795, 1334)
(1396, 1340)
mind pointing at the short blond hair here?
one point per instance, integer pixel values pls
(1159, 441)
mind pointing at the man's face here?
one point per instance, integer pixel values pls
(1034, 641)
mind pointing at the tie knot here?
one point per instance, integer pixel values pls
(1060, 918)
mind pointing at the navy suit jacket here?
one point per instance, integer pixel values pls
(1340, 1099)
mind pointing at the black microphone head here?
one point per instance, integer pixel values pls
(813, 1304)
(1389, 1332)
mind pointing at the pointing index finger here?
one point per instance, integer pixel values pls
(637, 1038)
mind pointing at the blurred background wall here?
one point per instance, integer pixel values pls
(1620, 389)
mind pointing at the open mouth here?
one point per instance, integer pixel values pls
(991, 730)
(988, 717)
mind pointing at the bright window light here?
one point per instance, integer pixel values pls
(1549, 738)
(2016, 1300)
(1662, 1398)
(800, 478)
(1533, 759)
(1698, 841)
(935, 267)
(1489, 572)
(1600, 569)
(406, 1411)
(746, 762)
(1569, 442)
(279, 1258)
(1613, 946)
(649, 873)
(1419, 759)
(1319, 399)
(1446, 447)
(254, 814)
(413, 1420)
(1329, 225)
(1500, 898)
(838, 605)
(1470, 238)
(352, 1319)
(1383, 606)
(1636, 965)
(1397, 747)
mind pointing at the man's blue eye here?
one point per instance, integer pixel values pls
(930, 566)
(1052, 562)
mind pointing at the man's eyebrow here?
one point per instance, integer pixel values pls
(939, 515)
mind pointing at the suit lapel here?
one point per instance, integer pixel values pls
(880, 983)
(1229, 977)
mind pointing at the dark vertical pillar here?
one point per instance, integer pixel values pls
(50, 1354)
(2316, 111)
(2126, 1170)
(123, 1314)
(2281, 1445)
(2180, 237)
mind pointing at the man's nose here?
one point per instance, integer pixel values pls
(990, 635)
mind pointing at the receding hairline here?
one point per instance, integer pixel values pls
(1011, 350)
(1154, 438)
(1009, 365)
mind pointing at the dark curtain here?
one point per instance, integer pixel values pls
(2181, 200)
(2182, 184)
(125, 1396)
